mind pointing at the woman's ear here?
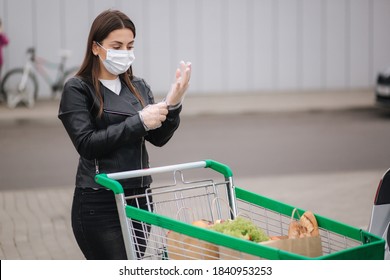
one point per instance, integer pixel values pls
(95, 48)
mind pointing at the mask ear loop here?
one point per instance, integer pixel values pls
(100, 46)
(97, 43)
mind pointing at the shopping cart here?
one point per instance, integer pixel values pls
(158, 225)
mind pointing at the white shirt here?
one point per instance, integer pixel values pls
(113, 85)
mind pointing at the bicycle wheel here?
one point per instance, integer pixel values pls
(59, 86)
(13, 94)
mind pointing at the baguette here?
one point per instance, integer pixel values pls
(278, 237)
(202, 223)
(306, 226)
(309, 224)
(294, 230)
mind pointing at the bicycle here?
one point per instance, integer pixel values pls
(20, 85)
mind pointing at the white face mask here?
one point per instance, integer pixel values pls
(117, 61)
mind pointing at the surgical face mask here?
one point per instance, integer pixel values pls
(117, 61)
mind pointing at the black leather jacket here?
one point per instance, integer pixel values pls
(115, 141)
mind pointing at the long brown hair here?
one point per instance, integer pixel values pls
(102, 26)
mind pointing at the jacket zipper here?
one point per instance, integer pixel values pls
(142, 167)
(117, 113)
(97, 166)
(97, 171)
(142, 142)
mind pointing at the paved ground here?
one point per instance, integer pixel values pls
(36, 224)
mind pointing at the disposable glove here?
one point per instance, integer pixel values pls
(154, 115)
(178, 89)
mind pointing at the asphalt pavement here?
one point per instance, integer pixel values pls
(35, 224)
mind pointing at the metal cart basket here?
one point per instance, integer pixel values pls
(157, 224)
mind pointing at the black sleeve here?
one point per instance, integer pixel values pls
(163, 134)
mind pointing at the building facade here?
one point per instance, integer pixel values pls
(235, 46)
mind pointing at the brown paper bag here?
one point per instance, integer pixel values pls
(305, 246)
(230, 254)
(300, 240)
(184, 247)
(309, 246)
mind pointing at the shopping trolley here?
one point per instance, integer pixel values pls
(157, 224)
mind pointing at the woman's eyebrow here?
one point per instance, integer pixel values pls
(119, 42)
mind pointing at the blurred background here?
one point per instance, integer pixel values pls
(235, 45)
(282, 91)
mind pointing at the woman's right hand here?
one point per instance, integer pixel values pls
(178, 89)
(154, 115)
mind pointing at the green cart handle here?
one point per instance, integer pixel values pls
(110, 180)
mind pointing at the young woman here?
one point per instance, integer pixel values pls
(109, 114)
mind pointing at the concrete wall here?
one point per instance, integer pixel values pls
(234, 45)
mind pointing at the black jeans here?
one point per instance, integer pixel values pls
(96, 224)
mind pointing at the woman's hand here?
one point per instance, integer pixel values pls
(183, 74)
(154, 115)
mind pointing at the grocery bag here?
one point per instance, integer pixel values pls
(304, 238)
(184, 247)
(305, 246)
(230, 254)
(308, 244)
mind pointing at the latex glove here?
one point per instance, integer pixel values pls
(178, 89)
(154, 115)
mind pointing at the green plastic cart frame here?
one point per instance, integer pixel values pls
(365, 246)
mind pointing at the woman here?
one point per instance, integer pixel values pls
(109, 114)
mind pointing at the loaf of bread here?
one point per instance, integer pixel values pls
(309, 224)
(202, 223)
(294, 230)
(306, 226)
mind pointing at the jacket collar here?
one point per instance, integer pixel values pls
(125, 103)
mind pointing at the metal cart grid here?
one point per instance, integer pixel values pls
(338, 240)
(184, 201)
(276, 224)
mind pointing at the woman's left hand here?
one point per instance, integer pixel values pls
(178, 89)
